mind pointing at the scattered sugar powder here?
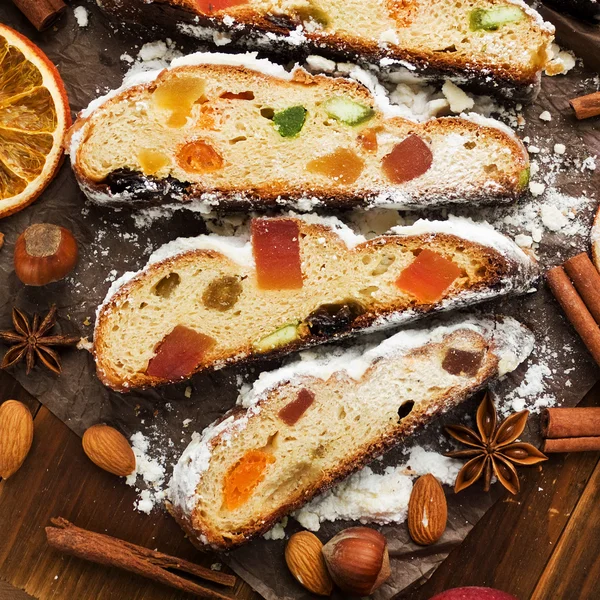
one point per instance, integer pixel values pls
(151, 472)
(369, 497)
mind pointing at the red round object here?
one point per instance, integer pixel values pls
(473, 593)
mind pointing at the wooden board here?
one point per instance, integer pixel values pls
(540, 545)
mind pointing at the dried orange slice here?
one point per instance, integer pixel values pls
(34, 117)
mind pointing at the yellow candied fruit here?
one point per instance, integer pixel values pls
(178, 95)
(152, 161)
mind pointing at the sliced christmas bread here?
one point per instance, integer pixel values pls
(304, 427)
(501, 44)
(257, 136)
(205, 302)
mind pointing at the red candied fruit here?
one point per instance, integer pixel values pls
(428, 276)
(276, 249)
(408, 160)
(179, 353)
(291, 413)
(209, 7)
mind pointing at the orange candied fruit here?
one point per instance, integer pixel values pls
(209, 7)
(243, 478)
(276, 249)
(428, 276)
(342, 165)
(199, 157)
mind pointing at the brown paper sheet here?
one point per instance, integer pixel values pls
(89, 61)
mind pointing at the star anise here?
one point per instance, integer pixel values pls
(494, 449)
(29, 341)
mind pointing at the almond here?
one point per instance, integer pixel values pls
(427, 511)
(305, 560)
(108, 449)
(16, 435)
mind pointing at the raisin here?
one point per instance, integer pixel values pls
(222, 293)
(462, 362)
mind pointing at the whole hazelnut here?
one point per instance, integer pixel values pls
(358, 560)
(44, 253)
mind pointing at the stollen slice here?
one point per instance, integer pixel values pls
(304, 427)
(233, 132)
(295, 281)
(500, 45)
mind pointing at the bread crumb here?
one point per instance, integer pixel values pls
(537, 189)
(561, 62)
(533, 150)
(524, 241)
(552, 218)
(459, 100)
(320, 63)
(559, 148)
(81, 16)
(545, 116)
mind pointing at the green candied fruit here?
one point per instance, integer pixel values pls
(348, 111)
(524, 178)
(283, 336)
(490, 19)
(290, 121)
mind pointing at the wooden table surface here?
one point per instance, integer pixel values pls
(542, 544)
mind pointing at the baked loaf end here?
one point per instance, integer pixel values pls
(205, 302)
(308, 425)
(502, 43)
(232, 137)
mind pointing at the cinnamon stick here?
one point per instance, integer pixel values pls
(575, 309)
(577, 444)
(105, 550)
(586, 278)
(571, 422)
(41, 13)
(586, 106)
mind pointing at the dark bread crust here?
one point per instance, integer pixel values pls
(510, 83)
(502, 269)
(406, 427)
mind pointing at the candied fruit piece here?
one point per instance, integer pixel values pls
(368, 140)
(199, 157)
(281, 337)
(179, 353)
(408, 160)
(343, 166)
(490, 19)
(178, 95)
(348, 111)
(222, 293)
(209, 7)
(290, 121)
(428, 276)
(243, 478)
(276, 249)
(291, 413)
(152, 161)
(462, 362)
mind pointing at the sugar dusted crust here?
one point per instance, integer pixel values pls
(493, 268)
(400, 370)
(471, 161)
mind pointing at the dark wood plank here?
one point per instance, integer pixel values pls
(8, 592)
(511, 546)
(57, 479)
(574, 564)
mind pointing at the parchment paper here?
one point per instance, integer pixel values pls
(110, 244)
